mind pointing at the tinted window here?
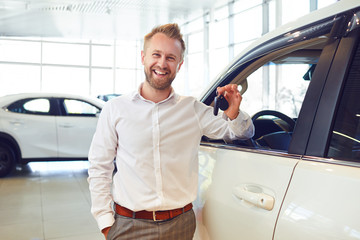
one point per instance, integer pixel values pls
(31, 106)
(75, 107)
(345, 137)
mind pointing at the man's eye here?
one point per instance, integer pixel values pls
(156, 55)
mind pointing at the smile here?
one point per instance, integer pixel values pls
(158, 72)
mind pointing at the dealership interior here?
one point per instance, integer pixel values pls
(93, 47)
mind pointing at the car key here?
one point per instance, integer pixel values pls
(220, 102)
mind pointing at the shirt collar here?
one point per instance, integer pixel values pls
(137, 95)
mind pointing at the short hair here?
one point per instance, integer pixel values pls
(171, 30)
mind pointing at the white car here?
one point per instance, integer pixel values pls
(44, 126)
(298, 177)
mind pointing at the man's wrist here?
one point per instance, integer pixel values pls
(233, 116)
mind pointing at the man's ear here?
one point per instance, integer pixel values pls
(180, 64)
(142, 57)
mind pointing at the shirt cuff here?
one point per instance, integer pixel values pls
(240, 117)
(105, 221)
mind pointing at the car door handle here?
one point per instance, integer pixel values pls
(17, 122)
(66, 125)
(254, 196)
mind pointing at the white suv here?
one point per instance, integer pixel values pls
(44, 126)
(298, 177)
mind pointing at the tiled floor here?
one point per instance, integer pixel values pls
(47, 201)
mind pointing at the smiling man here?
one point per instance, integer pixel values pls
(154, 134)
(162, 58)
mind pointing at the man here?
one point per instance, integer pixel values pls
(154, 135)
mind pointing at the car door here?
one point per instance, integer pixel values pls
(243, 184)
(76, 127)
(31, 122)
(323, 201)
(242, 188)
(245, 193)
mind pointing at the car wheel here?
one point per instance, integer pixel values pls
(7, 159)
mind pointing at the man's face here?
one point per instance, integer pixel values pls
(162, 60)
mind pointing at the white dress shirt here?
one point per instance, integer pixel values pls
(156, 150)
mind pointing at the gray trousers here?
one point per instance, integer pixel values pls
(181, 227)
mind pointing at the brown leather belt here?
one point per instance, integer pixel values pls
(156, 215)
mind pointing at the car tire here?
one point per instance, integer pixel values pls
(7, 159)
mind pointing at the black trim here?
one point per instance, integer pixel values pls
(324, 119)
(311, 101)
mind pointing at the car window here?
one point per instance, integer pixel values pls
(345, 137)
(276, 89)
(39, 106)
(74, 107)
(284, 90)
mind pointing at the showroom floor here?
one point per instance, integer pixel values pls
(47, 201)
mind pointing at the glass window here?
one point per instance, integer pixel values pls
(102, 81)
(20, 51)
(16, 78)
(125, 81)
(242, 5)
(196, 42)
(248, 25)
(218, 59)
(196, 75)
(284, 91)
(67, 54)
(292, 10)
(291, 88)
(128, 54)
(194, 25)
(219, 34)
(253, 97)
(345, 137)
(278, 87)
(140, 76)
(37, 105)
(324, 3)
(78, 107)
(272, 15)
(31, 106)
(221, 13)
(102, 56)
(179, 84)
(66, 80)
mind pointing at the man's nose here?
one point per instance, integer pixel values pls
(162, 62)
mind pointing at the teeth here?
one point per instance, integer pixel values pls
(161, 73)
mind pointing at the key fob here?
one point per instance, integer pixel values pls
(220, 102)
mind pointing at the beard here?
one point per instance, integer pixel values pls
(158, 84)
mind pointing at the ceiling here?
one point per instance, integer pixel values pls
(94, 19)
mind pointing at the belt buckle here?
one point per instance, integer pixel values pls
(154, 216)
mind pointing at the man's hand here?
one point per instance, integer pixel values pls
(234, 98)
(105, 231)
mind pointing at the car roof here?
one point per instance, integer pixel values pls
(7, 99)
